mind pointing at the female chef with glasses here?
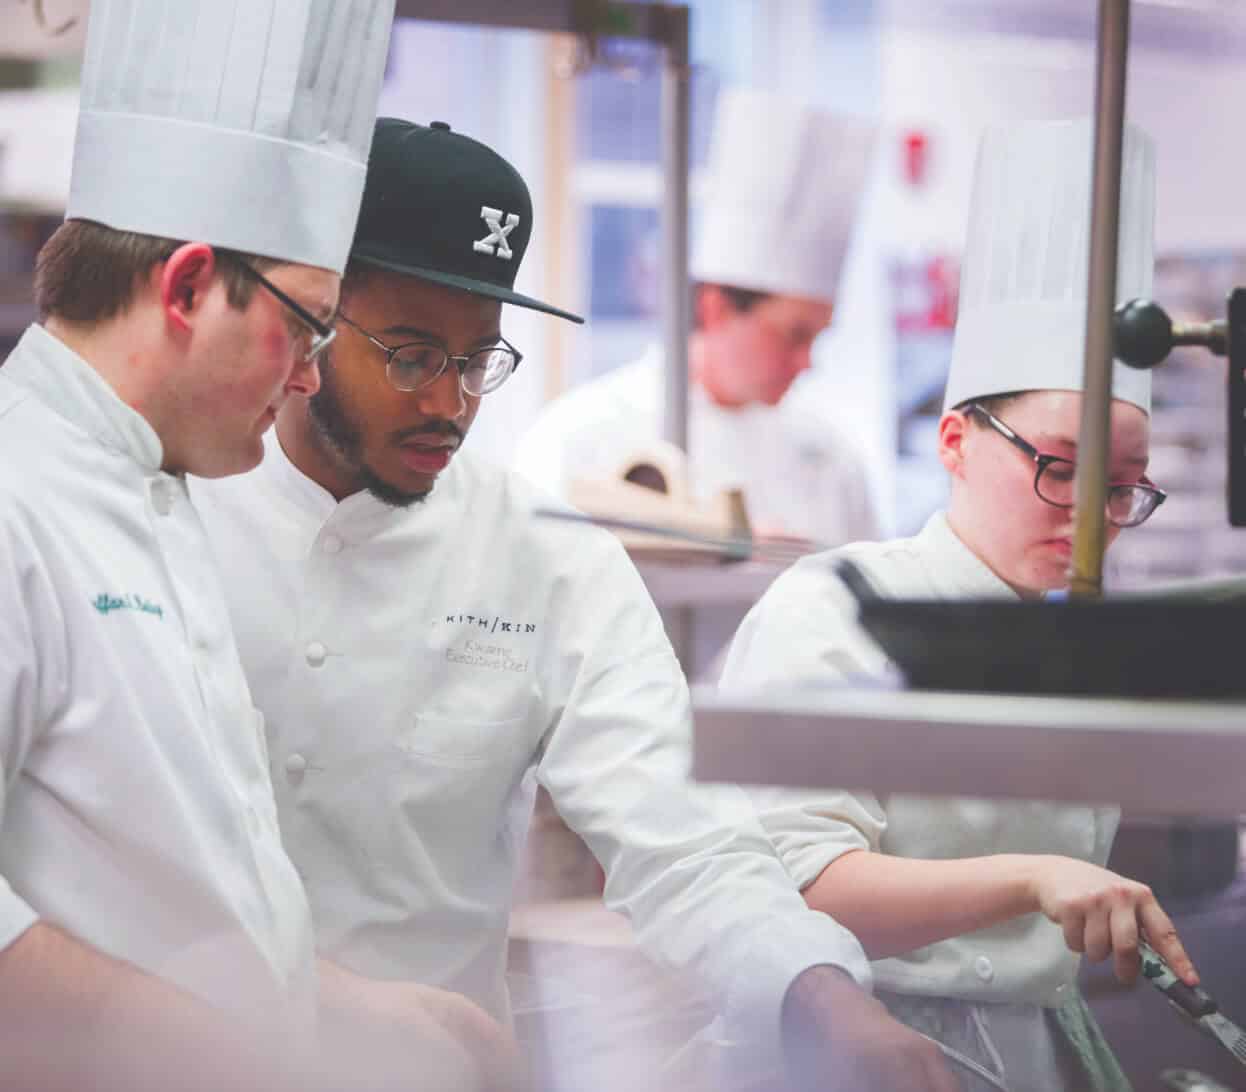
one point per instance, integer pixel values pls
(974, 912)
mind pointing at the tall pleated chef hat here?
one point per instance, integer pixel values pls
(785, 182)
(240, 123)
(1022, 319)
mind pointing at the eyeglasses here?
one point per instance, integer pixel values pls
(322, 334)
(418, 364)
(1129, 503)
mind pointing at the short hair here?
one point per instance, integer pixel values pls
(88, 272)
(740, 299)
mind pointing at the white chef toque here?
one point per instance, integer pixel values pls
(1022, 319)
(240, 123)
(785, 182)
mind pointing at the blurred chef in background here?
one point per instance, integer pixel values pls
(785, 185)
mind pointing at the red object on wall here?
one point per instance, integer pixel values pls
(926, 289)
(916, 157)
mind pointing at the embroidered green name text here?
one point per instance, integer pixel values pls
(106, 604)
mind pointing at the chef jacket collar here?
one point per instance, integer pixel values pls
(67, 384)
(361, 512)
(958, 571)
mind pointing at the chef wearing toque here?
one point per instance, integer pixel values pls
(424, 648)
(974, 911)
(775, 226)
(153, 932)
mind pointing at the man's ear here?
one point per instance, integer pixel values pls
(184, 281)
(953, 433)
(712, 307)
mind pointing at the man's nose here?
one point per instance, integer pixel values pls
(443, 397)
(305, 378)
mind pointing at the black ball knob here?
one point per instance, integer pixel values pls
(1143, 334)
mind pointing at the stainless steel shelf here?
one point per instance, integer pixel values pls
(1151, 757)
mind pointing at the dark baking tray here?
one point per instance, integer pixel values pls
(1180, 642)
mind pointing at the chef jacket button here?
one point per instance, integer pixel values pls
(161, 497)
(296, 766)
(332, 544)
(984, 968)
(316, 654)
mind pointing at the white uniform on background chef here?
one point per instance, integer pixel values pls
(952, 897)
(775, 225)
(143, 885)
(420, 644)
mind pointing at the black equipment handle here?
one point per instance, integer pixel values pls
(1145, 335)
(1192, 1000)
(856, 582)
(1237, 407)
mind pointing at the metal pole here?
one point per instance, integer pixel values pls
(1093, 442)
(676, 112)
(675, 313)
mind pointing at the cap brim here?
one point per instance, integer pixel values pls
(465, 284)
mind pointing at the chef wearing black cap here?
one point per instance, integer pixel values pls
(418, 643)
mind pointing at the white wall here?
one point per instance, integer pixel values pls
(37, 129)
(954, 85)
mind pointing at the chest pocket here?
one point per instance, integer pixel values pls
(464, 743)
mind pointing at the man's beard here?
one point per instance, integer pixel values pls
(342, 437)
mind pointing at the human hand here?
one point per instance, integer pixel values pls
(838, 1038)
(1102, 913)
(413, 1024)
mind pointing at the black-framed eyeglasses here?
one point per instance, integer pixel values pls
(322, 333)
(1129, 503)
(418, 364)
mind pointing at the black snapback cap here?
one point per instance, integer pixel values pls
(443, 207)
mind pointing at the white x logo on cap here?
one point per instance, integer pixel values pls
(495, 243)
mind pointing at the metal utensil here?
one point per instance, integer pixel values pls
(957, 1058)
(1193, 1002)
(1191, 1080)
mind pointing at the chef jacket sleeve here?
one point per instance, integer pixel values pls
(31, 670)
(687, 863)
(803, 636)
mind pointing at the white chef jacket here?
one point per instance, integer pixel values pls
(137, 808)
(803, 633)
(414, 665)
(799, 477)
